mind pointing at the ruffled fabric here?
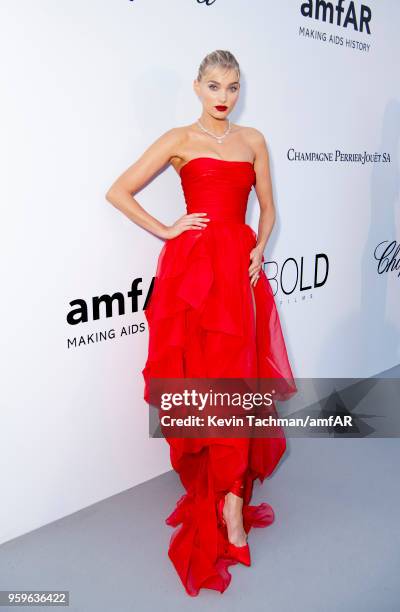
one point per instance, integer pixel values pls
(202, 325)
(198, 547)
(200, 313)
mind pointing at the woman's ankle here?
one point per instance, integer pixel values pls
(233, 502)
(233, 511)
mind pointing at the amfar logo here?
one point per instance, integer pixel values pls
(385, 253)
(292, 274)
(82, 311)
(324, 11)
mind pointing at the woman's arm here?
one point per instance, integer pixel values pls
(263, 189)
(121, 192)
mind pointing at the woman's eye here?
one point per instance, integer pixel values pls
(234, 88)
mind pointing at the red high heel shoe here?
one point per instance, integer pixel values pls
(240, 553)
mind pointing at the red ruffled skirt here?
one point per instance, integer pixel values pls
(202, 324)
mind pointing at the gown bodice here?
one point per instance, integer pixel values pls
(218, 187)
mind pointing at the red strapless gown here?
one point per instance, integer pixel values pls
(201, 324)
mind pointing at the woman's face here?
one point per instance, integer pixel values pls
(218, 88)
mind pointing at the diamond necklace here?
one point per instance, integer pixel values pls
(218, 138)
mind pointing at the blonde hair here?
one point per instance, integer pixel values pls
(219, 58)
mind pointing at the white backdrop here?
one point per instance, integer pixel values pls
(87, 86)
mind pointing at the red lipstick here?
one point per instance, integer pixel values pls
(221, 108)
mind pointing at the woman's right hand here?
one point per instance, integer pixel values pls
(186, 222)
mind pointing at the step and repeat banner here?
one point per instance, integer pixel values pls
(87, 87)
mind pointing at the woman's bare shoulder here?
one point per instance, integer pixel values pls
(182, 130)
(253, 134)
(179, 135)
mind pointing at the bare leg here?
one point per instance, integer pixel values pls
(233, 503)
(234, 519)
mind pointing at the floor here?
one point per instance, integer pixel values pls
(334, 545)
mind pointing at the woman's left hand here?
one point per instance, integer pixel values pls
(255, 266)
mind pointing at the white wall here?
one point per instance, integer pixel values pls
(87, 86)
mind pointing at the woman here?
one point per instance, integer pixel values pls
(212, 314)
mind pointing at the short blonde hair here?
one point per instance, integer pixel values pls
(221, 58)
